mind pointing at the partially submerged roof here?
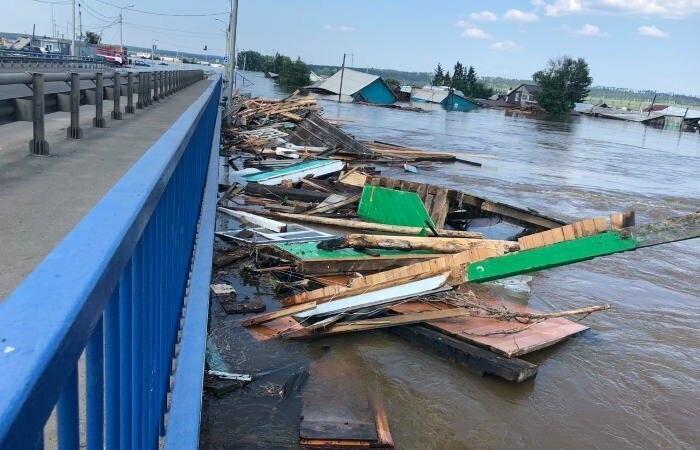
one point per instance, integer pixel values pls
(533, 88)
(353, 81)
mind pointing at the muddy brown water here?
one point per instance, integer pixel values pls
(631, 381)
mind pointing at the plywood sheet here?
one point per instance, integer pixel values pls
(541, 335)
(393, 207)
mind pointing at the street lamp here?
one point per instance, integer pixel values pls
(153, 51)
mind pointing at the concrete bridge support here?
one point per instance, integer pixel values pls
(74, 131)
(38, 145)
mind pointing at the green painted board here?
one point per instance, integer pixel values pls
(392, 207)
(308, 250)
(559, 254)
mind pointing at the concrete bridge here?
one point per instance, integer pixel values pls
(106, 256)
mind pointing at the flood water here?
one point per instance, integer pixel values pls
(631, 381)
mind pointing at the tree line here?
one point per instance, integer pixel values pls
(462, 79)
(292, 73)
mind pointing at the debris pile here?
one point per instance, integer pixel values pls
(352, 250)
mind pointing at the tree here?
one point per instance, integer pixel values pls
(471, 79)
(564, 82)
(439, 77)
(393, 84)
(293, 74)
(447, 79)
(92, 38)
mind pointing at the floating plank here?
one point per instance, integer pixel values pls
(477, 359)
(388, 278)
(380, 322)
(365, 226)
(339, 410)
(375, 297)
(296, 172)
(433, 244)
(573, 231)
(474, 329)
(268, 224)
(284, 312)
(280, 193)
(392, 207)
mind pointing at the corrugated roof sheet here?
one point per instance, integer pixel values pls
(353, 81)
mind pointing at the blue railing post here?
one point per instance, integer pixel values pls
(116, 285)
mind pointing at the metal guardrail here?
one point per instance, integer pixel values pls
(118, 288)
(17, 58)
(152, 87)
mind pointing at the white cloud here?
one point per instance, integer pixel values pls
(662, 8)
(463, 24)
(563, 7)
(652, 31)
(506, 46)
(520, 16)
(340, 28)
(590, 30)
(476, 33)
(484, 16)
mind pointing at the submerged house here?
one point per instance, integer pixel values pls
(450, 99)
(523, 95)
(357, 86)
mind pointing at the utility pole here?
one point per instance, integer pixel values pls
(342, 72)
(72, 49)
(233, 22)
(80, 38)
(121, 31)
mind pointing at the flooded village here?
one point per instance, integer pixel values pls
(260, 251)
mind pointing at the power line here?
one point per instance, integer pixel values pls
(171, 31)
(53, 3)
(161, 14)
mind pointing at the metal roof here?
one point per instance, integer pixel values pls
(353, 81)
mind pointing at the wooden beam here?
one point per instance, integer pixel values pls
(334, 206)
(367, 226)
(436, 244)
(381, 322)
(476, 359)
(284, 312)
(325, 266)
(280, 193)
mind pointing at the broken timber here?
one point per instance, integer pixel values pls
(476, 359)
(435, 244)
(316, 131)
(439, 200)
(366, 226)
(584, 248)
(304, 195)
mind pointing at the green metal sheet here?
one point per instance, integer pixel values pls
(559, 254)
(392, 207)
(308, 250)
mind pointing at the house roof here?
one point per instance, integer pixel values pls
(353, 81)
(533, 88)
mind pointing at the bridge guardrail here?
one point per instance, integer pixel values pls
(152, 86)
(117, 288)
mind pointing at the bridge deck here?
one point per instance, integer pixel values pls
(42, 198)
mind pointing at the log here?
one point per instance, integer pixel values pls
(436, 244)
(476, 359)
(367, 226)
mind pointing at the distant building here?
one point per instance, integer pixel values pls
(523, 95)
(450, 99)
(357, 86)
(53, 45)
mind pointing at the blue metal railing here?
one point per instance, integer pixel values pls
(117, 287)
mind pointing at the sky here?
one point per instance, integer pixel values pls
(637, 44)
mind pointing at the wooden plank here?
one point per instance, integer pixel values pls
(333, 206)
(280, 193)
(362, 265)
(476, 330)
(621, 220)
(476, 359)
(519, 214)
(440, 207)
(381, 322)
(365, 226)
(284, 312)
(381, 280)
(269, 224)
(430, 243)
